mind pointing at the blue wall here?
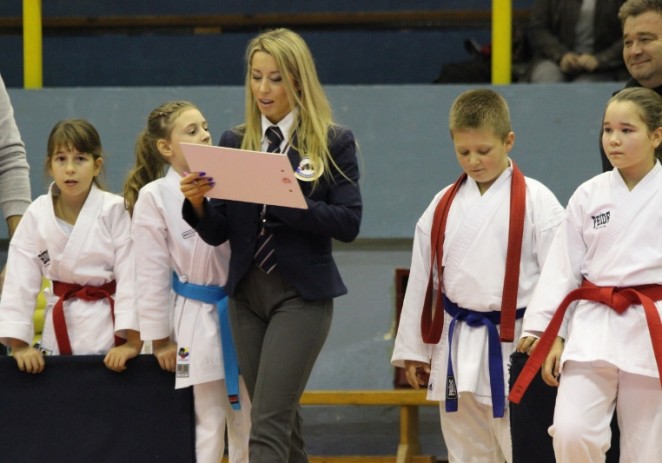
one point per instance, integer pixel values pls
(402, 131)
(165, 59)
(175, 57)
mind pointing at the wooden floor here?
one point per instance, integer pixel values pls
(409, 401)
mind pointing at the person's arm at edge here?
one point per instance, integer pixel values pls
(15, 194)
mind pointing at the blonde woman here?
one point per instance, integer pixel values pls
(281, 301)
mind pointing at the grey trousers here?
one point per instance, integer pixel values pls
(278, 336)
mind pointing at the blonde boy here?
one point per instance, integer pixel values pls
(478, 247)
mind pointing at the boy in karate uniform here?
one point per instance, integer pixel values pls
(477, 254)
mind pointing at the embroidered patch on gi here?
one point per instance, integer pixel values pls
(44, 258)
(307, 171)
(451, 388)
(600, 220)
(189, 233)
(183, 360)
(45, 352)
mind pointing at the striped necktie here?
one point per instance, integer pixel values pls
(264, 245)
(275, 137)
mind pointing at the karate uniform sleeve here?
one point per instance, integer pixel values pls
(560, 274)
(547, 216)
(126, 315)
(22, 284)
(409, 343)
(153, 272)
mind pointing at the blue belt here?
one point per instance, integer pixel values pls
(216, 295)
(474, 319)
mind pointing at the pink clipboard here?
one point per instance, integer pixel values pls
(249, 176)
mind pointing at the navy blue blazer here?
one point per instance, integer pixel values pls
(302, 236)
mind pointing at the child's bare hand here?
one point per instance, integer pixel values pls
(527, 345)
(165, 352)
(413, 373)
(117, 357)
(551, 369)
(28, 358)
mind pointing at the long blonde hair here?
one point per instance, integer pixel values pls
(150, 165)
(315, 117)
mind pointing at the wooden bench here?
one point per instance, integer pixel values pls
(409, 450)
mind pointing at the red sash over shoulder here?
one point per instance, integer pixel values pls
(432, 321)
(88, 293)
(619, 299)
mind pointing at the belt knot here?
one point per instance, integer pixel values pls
(473, 319)
(616, 298)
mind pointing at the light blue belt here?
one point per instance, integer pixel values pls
(216, 295)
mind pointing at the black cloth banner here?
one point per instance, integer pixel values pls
(78, 411)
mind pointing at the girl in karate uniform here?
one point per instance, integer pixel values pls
(78, 237)
(605, 266)
(184, 326)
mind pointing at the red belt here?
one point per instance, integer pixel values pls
(88, 293)
(619, 299)
(432, 317)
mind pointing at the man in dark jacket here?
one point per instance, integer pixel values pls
(642, 47)
(576, 40)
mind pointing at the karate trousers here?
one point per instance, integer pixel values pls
(531, 418)
(473, 435)
(589, 392)
(214, 416)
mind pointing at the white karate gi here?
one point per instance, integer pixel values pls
(94, 251)
(163, 243)
(474, 258)
(611, 237)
